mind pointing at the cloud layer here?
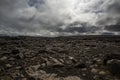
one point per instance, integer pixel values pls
(59, 17)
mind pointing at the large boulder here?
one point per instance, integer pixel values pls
(112, 62)
(113, 66)
(111, 56)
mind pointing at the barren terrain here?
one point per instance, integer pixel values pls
(60, 58)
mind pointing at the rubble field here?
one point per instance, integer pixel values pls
(60, 58)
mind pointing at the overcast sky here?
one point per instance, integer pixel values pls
(59, 17)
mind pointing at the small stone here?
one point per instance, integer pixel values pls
(61, 60)
(71, 57)
(56, 63)
(36, 67)
(18, 67)
(72, 78)
(8, 65)
(43, 72)
(89, 62)
(43, 65)
(24, 78)
(102, 73)
(84, 69)
(11, 59)
(5, 78)
(83, 74)
(80, 64)
(99, 61)
(94, 71)
(3, 58)
(94, 66)
(21, 55)
(95, 77)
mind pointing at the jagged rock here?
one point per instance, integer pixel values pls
(80, 64)
(97, 61)
(18, 67)
(72, 59)
(94, 71)
(3, 58)
(33, 70)
(21, 55)
(8, 65)
(114, 66)
(56, 63)
(112, 61)
(5, 78)
(111, 56)
(58, 59)
(102, 73)
(18, 56)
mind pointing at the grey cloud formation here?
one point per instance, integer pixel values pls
(111, 17)
(59, 17)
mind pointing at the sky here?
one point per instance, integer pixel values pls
(59, 17)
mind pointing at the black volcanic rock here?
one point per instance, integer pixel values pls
(111, 56)
(114, 66)
(80, 65)
(112, 61)
(61, 58)
(15, 52)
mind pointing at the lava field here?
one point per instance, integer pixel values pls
(60, 58)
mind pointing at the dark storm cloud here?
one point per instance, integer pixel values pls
(113, 27)
(108, 33)
(58, 17)
(79, 27)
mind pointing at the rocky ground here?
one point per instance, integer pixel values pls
(61, 58)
